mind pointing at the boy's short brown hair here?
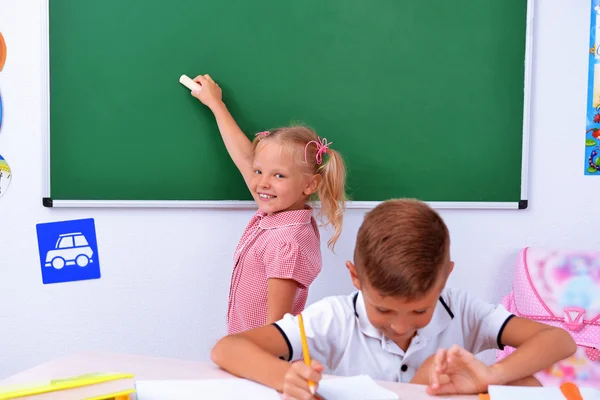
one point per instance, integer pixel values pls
(402, 246)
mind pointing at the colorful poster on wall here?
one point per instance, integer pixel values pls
(592, 133)
(2, 51)
(5, 176)
(68, 250)
(2, 61)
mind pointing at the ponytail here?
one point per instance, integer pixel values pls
(332, 193)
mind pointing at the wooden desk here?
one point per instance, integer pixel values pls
(148, 368)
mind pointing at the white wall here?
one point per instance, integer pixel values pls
(165, 273)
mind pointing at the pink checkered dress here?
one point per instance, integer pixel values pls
(284, 245)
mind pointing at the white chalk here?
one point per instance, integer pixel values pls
(190, 84)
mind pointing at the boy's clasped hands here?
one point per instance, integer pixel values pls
(457, 371)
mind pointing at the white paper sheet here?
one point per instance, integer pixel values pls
(214, 389)
(358, 387)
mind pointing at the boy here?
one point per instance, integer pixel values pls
(401, 322)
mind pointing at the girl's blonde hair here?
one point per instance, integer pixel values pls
(320, 159)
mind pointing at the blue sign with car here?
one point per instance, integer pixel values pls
(68, 250)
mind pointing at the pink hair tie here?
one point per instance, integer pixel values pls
(262, 134)
(322, 146)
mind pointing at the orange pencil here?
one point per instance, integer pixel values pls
(570, 391)
(305, 352)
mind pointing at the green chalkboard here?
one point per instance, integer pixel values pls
(423, 98)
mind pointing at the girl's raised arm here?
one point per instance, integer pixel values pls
(236, 142)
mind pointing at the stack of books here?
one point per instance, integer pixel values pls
(97, 386)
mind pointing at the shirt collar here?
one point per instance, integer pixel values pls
(285, 218)
(363, 319)
(442, 316)
(441, 319)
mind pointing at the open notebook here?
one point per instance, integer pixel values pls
(344, 388)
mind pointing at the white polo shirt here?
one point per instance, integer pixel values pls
(341, 337)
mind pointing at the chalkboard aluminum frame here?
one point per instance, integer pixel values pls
(47, 201)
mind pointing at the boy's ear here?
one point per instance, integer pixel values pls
(353, 274)
(450, 268)
(313, 184)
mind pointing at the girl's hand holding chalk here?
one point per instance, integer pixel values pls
(206, 90)
(190, 84)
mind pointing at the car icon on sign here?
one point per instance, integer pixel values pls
(70, 249)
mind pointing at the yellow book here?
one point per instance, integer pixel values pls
(96, 386)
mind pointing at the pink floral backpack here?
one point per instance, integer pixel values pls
(562, 289)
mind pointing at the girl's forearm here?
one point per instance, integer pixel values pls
(236, 142)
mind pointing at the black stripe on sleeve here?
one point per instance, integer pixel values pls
(287, 341)
(498, 342)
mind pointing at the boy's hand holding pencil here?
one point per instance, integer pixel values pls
(302, 378)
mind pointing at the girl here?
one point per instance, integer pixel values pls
(278, 255)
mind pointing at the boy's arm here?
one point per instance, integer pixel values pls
(254, 355)
(263, 354)
(537, 346)
(421, 376)
(238, 145)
